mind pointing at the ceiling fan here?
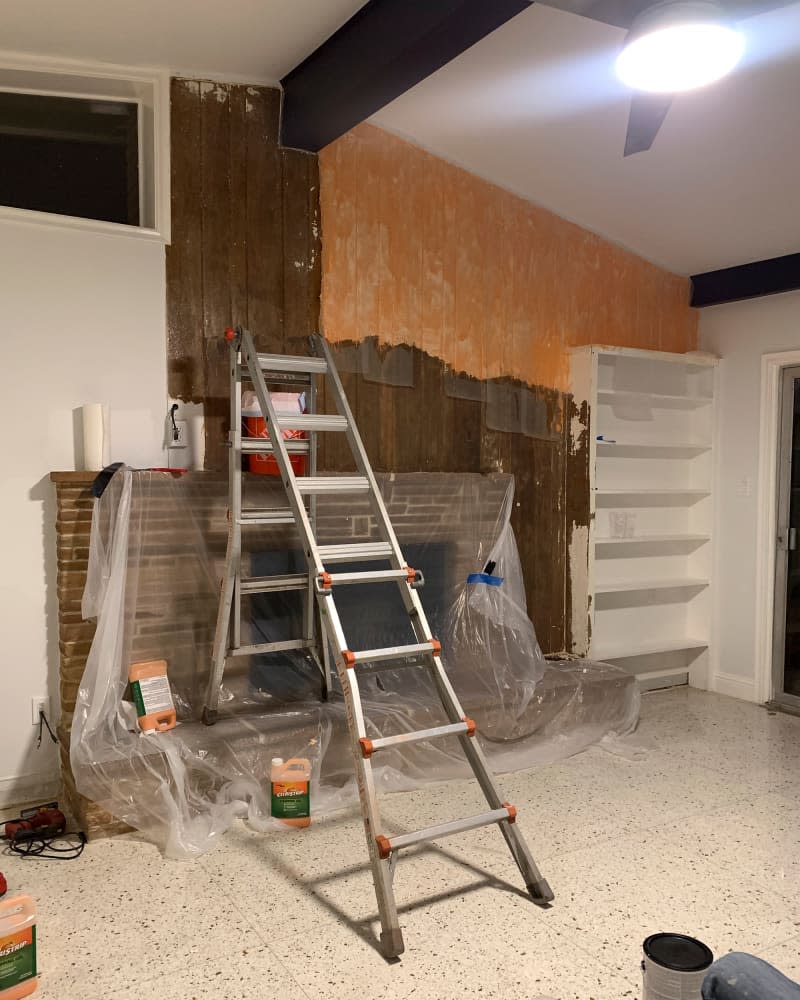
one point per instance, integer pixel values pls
(671, 46)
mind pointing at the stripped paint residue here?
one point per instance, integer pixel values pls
(418, 251)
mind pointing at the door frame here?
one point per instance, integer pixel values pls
(772, 366)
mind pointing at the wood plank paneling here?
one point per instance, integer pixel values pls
(264, 218)
(299, 257)
(184, 264)
(217, 198)
(245, 244)
(237, 246)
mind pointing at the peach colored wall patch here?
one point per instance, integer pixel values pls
(418, 251)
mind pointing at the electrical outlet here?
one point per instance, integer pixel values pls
(40, 704)
(177, 435)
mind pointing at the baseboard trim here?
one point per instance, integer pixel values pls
(734, 686)
(23, 788)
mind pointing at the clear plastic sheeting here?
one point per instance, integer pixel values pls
(156, 558)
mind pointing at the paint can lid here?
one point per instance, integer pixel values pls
(277, 761)
(678, 952)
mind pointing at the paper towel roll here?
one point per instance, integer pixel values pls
(96, 450)
(197, 443)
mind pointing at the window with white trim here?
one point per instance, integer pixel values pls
(85, 145)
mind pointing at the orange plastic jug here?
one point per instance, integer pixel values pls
(291, 790)
(17, 948)
(152, 696)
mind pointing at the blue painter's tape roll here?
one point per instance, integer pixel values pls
(493, 581)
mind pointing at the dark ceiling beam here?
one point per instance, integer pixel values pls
(382, 51)
(747, 281)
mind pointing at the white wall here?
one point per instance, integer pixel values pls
(740, 333)
(83, 320)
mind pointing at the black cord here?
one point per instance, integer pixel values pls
(43, 721)
(47, 848)
(173, 410)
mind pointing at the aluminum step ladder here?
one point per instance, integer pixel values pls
(287, 373)
(424, 653)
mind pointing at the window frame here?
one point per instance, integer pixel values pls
(148, 88)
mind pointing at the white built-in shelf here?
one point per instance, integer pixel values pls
(650, 481)
(665, 583)
(651, 539)
(654, 400)
(623, 650)
(653, 493)
(622, 449)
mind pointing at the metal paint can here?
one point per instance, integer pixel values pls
(674, 967)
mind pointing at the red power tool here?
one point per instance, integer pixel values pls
(40, 823)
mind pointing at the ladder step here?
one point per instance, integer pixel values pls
(332, 484)
(284, 379)
(355, 552)
(432, 648)
(295, 446)
(388, 844)
(266, 515)
(270, 647)
(271, 584)
(376, 576)
(292, 363)
(465, 728)
(312, 422)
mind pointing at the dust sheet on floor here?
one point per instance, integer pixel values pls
(156, 557)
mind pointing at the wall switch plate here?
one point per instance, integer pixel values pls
(39, 704)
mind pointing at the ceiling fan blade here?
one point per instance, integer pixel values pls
(619, 13)
(646, 116)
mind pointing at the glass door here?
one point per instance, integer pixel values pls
(786, 649)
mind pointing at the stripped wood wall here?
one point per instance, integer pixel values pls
(245, 239)
(416, 253)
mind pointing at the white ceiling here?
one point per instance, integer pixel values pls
(252, 40)
(533, 107)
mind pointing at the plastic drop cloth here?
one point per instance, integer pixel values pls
(156, 558)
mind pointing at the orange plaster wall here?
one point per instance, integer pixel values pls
(418, 251)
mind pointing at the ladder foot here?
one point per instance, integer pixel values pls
(392, 943)
(541, 893)
(209, 716)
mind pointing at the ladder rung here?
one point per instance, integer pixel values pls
(312, 422)
(295, 446)
(376, 576)
(285, 379)
(392, 653)
(266, 515)
(292, 363)
(388, 844)
(368, 747)
(354, 552)
(332, 484)
(270, 647)
(270, 584)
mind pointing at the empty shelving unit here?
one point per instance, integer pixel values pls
(649, 559)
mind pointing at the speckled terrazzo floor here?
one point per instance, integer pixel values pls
(702, 836)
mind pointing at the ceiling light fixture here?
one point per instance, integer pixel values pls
(677, 46)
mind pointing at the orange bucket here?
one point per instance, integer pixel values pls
(255, 425)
